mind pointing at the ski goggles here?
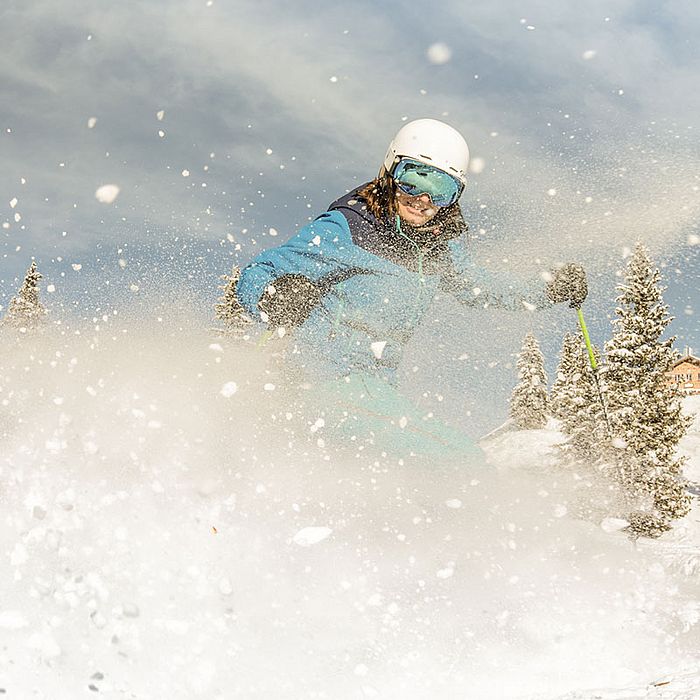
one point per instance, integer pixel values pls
(416, 178)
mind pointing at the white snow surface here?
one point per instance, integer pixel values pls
(151, 530)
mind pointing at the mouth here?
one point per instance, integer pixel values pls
(417, 208)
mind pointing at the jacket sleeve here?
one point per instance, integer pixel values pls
(312, 252)
(473, 285)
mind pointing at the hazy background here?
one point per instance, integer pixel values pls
(220, 121)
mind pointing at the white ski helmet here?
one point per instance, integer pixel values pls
(432, 142)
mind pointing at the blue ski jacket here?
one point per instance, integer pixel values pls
(377, 284)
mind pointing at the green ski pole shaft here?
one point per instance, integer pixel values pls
(587, 339)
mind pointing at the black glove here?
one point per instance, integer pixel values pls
(568, 284)
(289, 300)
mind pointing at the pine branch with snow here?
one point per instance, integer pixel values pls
(529, 403)
(645, 415)
(25, 311)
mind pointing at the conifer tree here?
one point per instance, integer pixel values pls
(228, 309)
(25, 311)
(571, 347)
(575, 401)
(529, 402)
(645, 415)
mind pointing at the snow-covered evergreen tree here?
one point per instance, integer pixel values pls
(228, 309)
(571, 347)
(529, 402)
(576, 402)
(645, 414)
(25, 311)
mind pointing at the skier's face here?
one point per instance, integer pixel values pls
(415, 210)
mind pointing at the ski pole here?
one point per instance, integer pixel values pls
(587, 339)
(594, 367)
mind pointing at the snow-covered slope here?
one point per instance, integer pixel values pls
(172, 528)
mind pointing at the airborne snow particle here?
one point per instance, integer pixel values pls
(77, 267)
(311, 535)
(92, 122)
(693, 239)
(160, 114)
(12, 620)
(13, 202)
(453, 503)
(447, 572)
(272, 231)
(130, 610)
(185, 173)
(439, 53)
(588, 55)
(477, 165)
(378, 348)
(229, 389)
(107, 193)
(334, 78)
(551, 192)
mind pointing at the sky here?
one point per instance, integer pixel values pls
(226, 125)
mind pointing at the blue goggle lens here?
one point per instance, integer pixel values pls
(415, 178)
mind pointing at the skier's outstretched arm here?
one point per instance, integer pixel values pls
(474, 285)
(280, 285)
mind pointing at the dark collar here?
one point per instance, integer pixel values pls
(382, 236)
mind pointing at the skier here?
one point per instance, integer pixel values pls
(355, 283)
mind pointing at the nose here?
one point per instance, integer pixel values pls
(425, 197)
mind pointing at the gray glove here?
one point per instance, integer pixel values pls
(568, 284)
(289, 300)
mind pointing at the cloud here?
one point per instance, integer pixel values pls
(237, 80)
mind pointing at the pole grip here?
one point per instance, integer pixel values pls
(587, 339)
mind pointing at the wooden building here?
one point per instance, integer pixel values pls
(685, 374)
